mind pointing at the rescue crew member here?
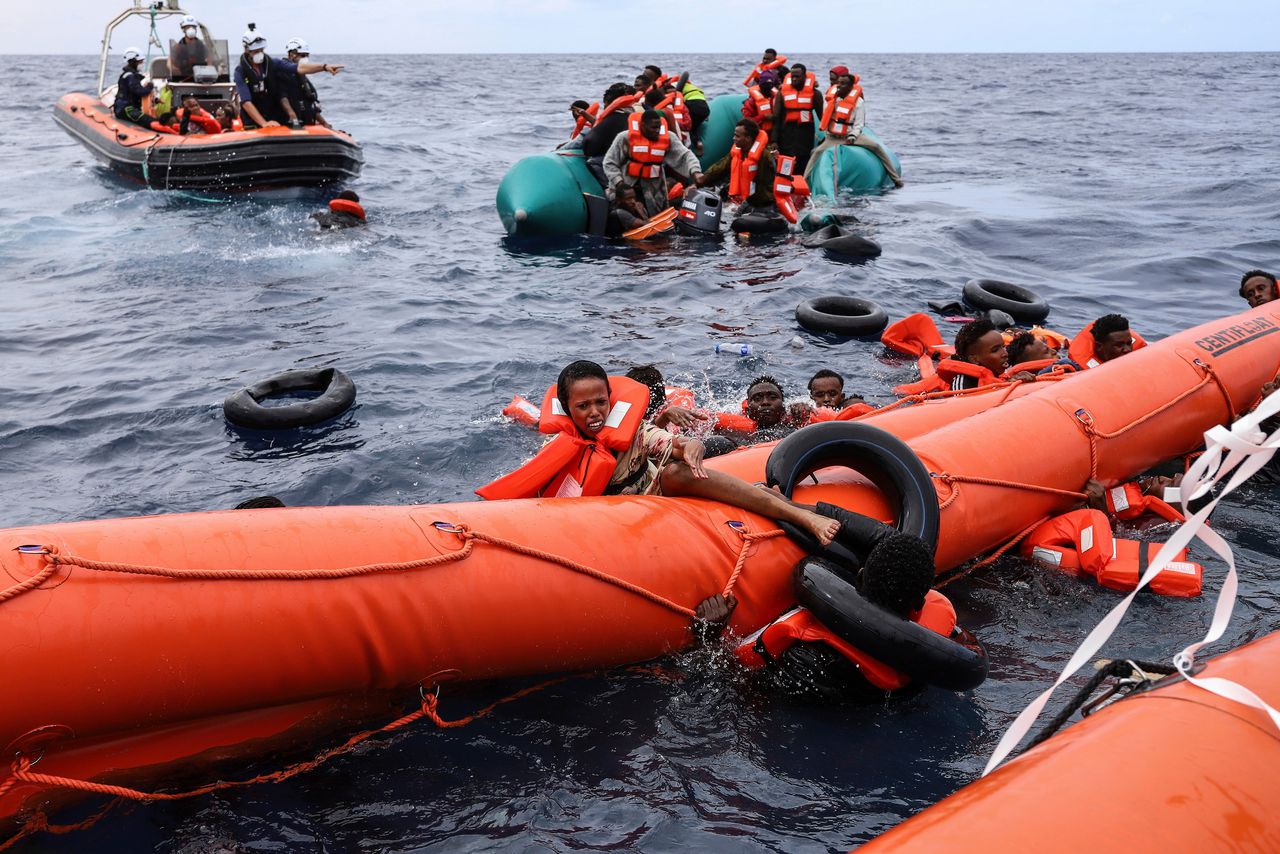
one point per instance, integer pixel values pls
(754, 191)
(1258, 287)
(187, 52)
(794, 115)
(260, 82)
(345, 211)
(641, 157)
(660, 463)
(843, 118)
(298, 90)
(758, 105)
(131, 88)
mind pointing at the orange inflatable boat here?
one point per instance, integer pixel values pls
(135, 647)
(1175, 768)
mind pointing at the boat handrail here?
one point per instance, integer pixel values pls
(140, 8)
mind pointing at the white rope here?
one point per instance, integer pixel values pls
(1246, 449)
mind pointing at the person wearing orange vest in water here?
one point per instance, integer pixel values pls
(799, 657)
(981, 358)
(843, 118)
(661, 413)
(826, 388)
(1035, 355)
(1258, 287)
(795, 112)
(641, 157)
(344, 211)
(758, 105)
(1107, 338)
(650, 461)
(768, 62)
(228, 119)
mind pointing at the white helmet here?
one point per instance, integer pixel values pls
(253, 40)
(299, 45)
(189, 21)
(132, 54)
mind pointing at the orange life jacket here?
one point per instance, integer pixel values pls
(1128, 502)
(1035, 366)
(799, 624)
(158, 127)
(837, 116)
(797, 104)
(764, 108)
(236, 123)
(646, 154)
(854, 410)
(348, 207)
(619, 103)
(571, 465)
(1055, 340)
(734, 422)
(581, 121)
(522, 411)
(762, 67)
(831, 90)
(207, 123)
(1082, 542)
(1082, 347)
(790, 191)
(742, 169)
(676, 102)
(682, 397)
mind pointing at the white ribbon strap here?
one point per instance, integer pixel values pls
(1247, 450)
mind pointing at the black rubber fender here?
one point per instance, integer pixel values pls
(851, 246)
(1023, 304)
(244, 408)
(958, 663)
(759, 223)
(879, 456)
(854, 317)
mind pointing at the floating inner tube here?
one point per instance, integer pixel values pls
(338, 392)
(1022, 304)
(759, 223)
(851, 316)
(838, 240)
(958, 663)
(877, 455)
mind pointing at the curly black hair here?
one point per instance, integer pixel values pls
(898, 573)
(1264, 274)
(1020, 342)
(652, 377)
(765, 378)
(1108, 323)
(969, 335)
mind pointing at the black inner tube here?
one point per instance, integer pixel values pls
(851, 316)
(879, 456)
(337, 393)
(1022, 304)
(958, 663)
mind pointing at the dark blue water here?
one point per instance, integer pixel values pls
(1139, 183)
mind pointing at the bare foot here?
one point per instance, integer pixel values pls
(822, 527)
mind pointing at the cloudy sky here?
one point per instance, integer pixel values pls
(683, 26)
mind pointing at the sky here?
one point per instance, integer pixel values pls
(680, 26)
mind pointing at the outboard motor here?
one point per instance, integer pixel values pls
(700, 213)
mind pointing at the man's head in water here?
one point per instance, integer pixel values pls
(798, 75)
(745, 133)
(651, 125)
(652, 377)
(980, 343)
(1111, 337)
(1258, 287)
(898, 574)
(826, 388)
(348, 195)
(583, 391)
(1026, 347)
(764, 402)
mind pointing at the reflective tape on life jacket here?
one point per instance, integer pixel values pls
(790, 191)
(764, 108)
(647, 154)
(1082, 542)
(347, 206)
(1128, 502)
(837, 116)
(522, 411)
(675, 101)
(762, 67)
(581, 121)
(799, 624)
(1082, 350)
(571, 465)
(743, 168)
(797, 104)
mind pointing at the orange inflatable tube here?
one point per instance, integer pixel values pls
(134, 639)
(1172, 769)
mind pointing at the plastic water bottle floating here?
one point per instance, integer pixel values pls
(733, 349)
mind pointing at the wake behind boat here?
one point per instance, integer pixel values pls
(227, 160)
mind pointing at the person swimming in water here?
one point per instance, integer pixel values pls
(1258, 287)
(651, 461)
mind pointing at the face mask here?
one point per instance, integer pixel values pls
(189, 32)
(258, 56)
